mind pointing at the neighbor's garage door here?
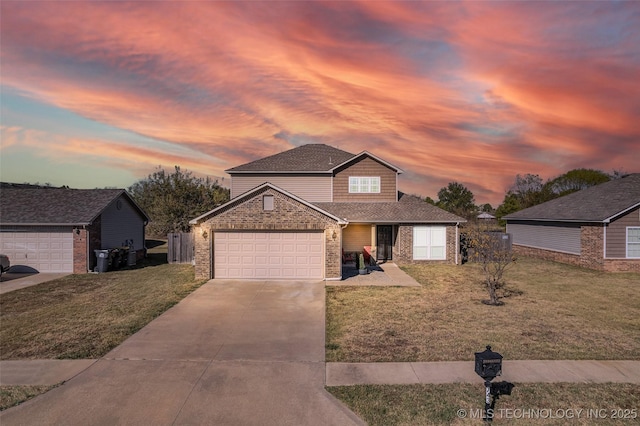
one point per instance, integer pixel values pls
(271, 255)
(43, 251)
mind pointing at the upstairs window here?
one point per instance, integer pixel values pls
(364, 185)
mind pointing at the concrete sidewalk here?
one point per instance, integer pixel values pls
(245, 353)
(51, 372)
(382, 275)
(404, 373)
(15, 281)
(41, 371)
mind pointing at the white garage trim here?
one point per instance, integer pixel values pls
(268, 255)
(43, 251)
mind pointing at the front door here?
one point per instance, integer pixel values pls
(384, 237)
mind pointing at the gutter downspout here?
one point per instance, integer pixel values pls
(457, 241)
(88, 246)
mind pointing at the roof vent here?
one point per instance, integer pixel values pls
(330, 161)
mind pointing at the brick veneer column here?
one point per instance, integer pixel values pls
(80, 248)
(592, 247)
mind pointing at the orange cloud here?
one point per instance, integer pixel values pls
(472, 92)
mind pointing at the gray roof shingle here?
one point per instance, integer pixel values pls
(595, 204)
(305, 158)
(408, 209)
(55, 206)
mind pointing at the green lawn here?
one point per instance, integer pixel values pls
(552, 311)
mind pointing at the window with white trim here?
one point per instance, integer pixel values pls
(364, 184)
(633, 242)
(429, 242)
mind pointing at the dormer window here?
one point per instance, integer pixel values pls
(364, 184)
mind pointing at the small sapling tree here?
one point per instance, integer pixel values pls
(494, 256)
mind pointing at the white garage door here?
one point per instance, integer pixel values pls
(43, 251)
(271, 255)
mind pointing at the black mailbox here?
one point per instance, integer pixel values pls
(488, 364)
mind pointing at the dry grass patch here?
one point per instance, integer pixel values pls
(85, 316)
(440, 404)
(553, 311)
(10, 396)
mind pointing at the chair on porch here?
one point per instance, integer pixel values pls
(348, 257)
(367, 255)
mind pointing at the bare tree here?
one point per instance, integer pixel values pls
(494, 256)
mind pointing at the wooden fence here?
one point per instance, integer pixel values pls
(181, 247)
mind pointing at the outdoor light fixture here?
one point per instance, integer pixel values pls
(204, 233)
(489, 366)
(334, 235)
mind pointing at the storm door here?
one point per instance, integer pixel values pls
(384, 237)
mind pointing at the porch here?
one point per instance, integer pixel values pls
(376, 242)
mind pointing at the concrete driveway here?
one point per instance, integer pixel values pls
(231, 353)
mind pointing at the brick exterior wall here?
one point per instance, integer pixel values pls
(403, 246)
(591, 253)
(554, 256)
(247, 214)
(622, 265)
(592, 247)
(80, 261)
(84, 259)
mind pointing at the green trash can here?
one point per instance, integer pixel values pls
(103, 260)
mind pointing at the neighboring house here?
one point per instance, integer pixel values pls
(57, 229)
(297, 214)
(596, 228)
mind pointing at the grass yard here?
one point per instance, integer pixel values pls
(552, 311)
(459, 404)
(11, 396)
(85, 316)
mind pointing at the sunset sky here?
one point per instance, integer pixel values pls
(98, 94)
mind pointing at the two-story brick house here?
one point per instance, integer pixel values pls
(295, 214)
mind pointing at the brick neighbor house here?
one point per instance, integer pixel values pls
(57, 229)
(301, 213)
(596, 228)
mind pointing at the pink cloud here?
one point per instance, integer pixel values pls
(472, 92)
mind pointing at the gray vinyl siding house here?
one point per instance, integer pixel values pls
(556, 236)
(58, 229)
(596, 228)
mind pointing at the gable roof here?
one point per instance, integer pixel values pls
(305, 158)
(310, 158)
(408, 209)
(251, 193)
(57, 206)
(600, 203)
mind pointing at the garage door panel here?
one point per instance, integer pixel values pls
(43, 251)
(273, 255)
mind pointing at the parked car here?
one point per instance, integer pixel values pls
(4, 264)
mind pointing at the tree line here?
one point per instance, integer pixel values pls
(172, 199)
(527, 190)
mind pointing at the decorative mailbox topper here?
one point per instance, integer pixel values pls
(488, 364)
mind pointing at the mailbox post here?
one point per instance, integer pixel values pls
(488, 366)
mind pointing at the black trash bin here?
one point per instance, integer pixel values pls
(103, 260)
